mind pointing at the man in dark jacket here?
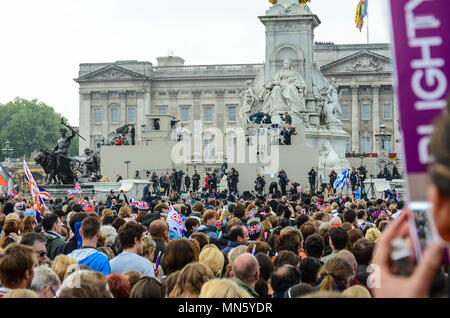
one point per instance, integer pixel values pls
(333, 177)
(179, 180)
(312, 180)
(187, 182)
(52, 227)
(237, 235)
(195, 181)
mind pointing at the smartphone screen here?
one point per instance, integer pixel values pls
(423, 230)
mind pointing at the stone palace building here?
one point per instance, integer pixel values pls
(127, 92)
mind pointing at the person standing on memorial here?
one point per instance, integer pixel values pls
(283, 181)
(333, 177)
(187, 183)
(195, 181)
(259, 184)
(312, 180)
(155, 181)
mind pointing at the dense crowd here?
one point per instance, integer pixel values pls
(280, 247)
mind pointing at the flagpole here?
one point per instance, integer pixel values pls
(367, 26)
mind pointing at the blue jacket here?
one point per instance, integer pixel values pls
(210, 231)
(96, 260)
(230, 246)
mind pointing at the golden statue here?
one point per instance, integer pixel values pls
(303, 2)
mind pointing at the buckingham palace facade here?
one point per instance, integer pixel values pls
(127, 92)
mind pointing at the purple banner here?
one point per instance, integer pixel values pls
(421, 39)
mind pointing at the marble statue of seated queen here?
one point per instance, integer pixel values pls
(285, 93)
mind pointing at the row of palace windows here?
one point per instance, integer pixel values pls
(366, 145)
(206, 93)
(113, 94)
(185, 112)
(114, 115)
(366, 111)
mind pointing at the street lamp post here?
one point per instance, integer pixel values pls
(7, 151)
(127, 163)
(383, 136)
(323, 152)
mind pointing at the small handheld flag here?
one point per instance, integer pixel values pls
(157, 262)
(340, 180)
(254, 250)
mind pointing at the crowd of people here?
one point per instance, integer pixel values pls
(268, 247)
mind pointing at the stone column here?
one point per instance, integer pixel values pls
(196, 113)
(220, 110)
(105, 113)
(172, 102)
(85, 122)
(375, 117)
(147, 110)
(142, 109)
(396, 147)
(123, 116)
(355, 119)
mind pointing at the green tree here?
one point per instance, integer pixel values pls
(30, 126)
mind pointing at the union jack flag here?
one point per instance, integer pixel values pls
(34, 189)
(43, 195)
(349, 184)
(76, 191)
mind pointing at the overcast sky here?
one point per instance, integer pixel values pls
(44, 41)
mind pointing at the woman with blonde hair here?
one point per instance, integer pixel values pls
(212, 257)
(61, 264)
(28, 224)
(335, 275)
(357, 291)
(222, 288)
(373, 234)
(190, 281)
(124, 212)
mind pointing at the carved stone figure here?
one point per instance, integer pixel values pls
(249, 100)
(57, 163)
(332, 109)
(61, 150)
(366, 64)
(91, 164)
(285, 93)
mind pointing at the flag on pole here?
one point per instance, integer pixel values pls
(34, 189)
(340, 180)
(361, 13)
